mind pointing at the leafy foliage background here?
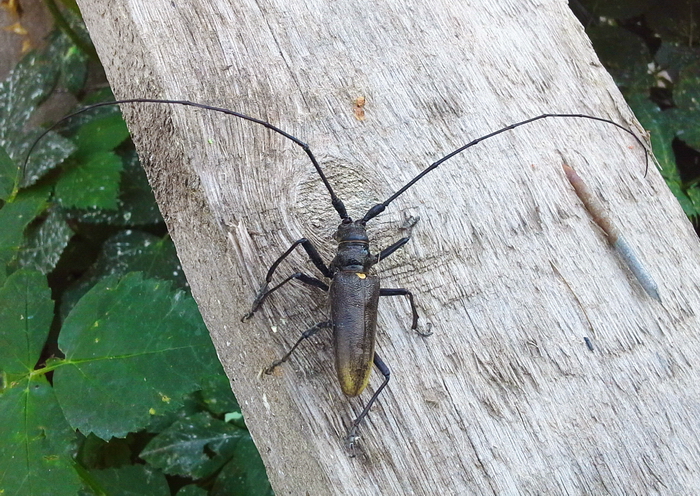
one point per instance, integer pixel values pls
(650, 49)
(109, 383)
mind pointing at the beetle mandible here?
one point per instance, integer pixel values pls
(353, 291)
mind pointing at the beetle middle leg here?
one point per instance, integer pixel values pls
(414, 311)
(352, 433)
(306, 335)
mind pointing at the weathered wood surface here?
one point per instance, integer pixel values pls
(505, 397)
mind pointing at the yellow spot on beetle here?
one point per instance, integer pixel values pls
(361, 275)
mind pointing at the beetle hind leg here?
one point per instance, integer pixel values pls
(352, 437)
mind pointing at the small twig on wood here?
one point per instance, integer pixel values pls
(617, 240)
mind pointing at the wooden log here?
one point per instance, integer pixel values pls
(506, 397)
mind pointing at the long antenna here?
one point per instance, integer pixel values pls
(380, 207)
(337, 203)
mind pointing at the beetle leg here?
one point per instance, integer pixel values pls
(264, 292)
(406, 292)
(306, 335)
(310, 250)
(408, 226)
(352, 433)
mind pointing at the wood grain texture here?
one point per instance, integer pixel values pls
(505, 397)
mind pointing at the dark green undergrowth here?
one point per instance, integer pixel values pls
(651, 49)
(109, 382)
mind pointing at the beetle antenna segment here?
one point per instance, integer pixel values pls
(380, 207)
(337, 202)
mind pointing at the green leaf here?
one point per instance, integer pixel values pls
(133, 349)
(624, 55)
(36, 443)
(26, 312)
(101, 134)
(691, 207)
(45, 243)
(217, 395)
(194, 447)
(131, 480)
(673, 57)
(93, 183)
(136, 205)
(686, 96)
(48, 153)
(29, 83)
(8, 174)
(74, 69)
(660, 126)
(192, 490)
(244, 475)
(130, 251)
(96, 453)
(15, 216)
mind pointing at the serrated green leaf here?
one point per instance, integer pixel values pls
(26, 312)
(8, 174)
(136, 205)
(194, 447)
(45, 243)
(244, 475)
(130, 251)
(15, 216)
(36, 443)
(93, 183)
(48, 153)
(131, 480)
(133, 350)
(74, 69)
(217, 395)
(100, 134)
(29, 83)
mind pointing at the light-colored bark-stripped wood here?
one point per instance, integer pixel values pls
(506, 264)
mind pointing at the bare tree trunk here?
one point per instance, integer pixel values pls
(506, 397)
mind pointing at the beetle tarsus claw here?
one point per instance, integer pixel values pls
(425, 333)
(350, 441)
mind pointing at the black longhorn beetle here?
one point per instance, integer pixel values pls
(353, 291)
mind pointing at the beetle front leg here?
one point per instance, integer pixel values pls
(315, 258)
(306, 335)
(352, 436)
(414, 311)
